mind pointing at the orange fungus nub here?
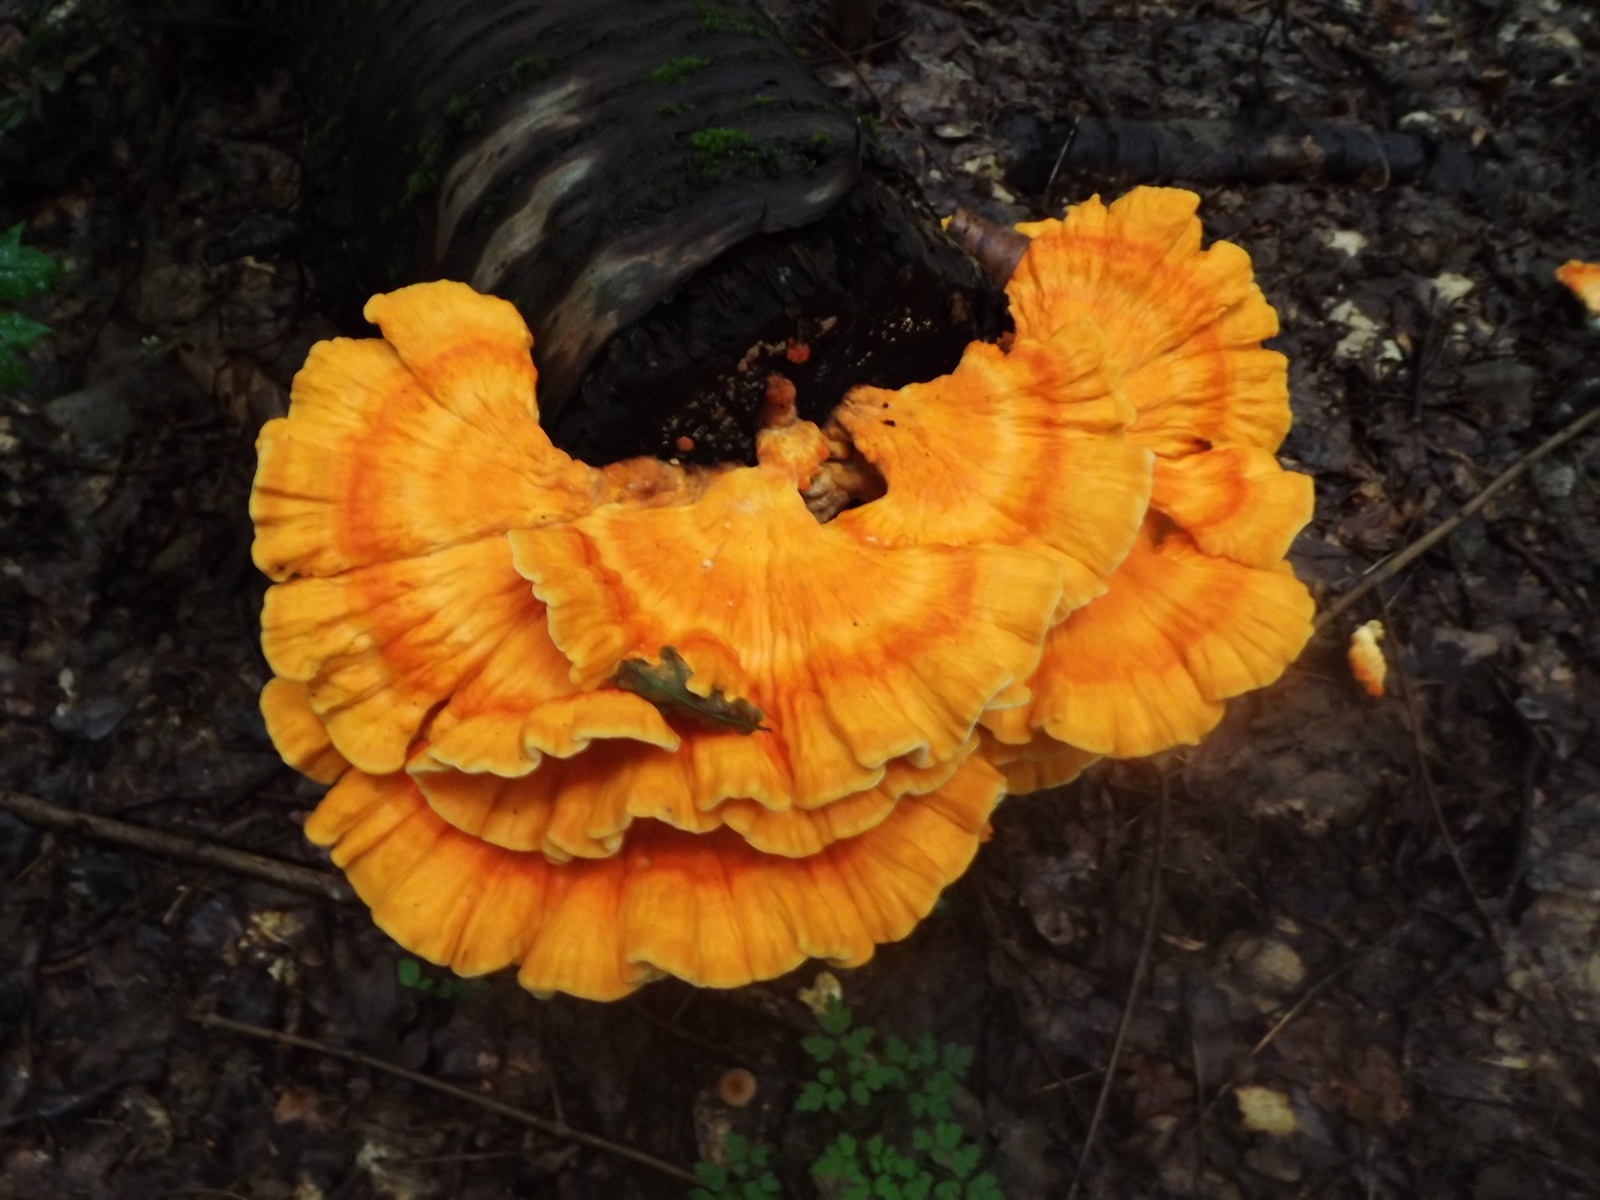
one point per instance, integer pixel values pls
(1583, 278)
(1367, 663)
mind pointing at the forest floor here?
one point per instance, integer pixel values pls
(1379, 918)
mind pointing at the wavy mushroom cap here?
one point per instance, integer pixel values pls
(297, 733)
(368, 465)
(1203, 607)
(1184, 324)
(1040, 762)
(854, 654)
(706, 908)
(583, 806)
(1147, 665)
(1020, 448)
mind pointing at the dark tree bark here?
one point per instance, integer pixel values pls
(661, 186)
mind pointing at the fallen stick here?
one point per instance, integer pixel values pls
(1425, 777)
(1259, 148)
(296, 878)
(555, 1129)
(1444, 529)
(1147, 939)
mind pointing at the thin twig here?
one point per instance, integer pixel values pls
(1152, 906)
(1300, 1006)
(1575, 604)
(64, 1106)
(860, 74)
(1530, 775)
(678, 1031)
(1414, 715)
(555, 1129)
(1445, 528)
(1199, 1104)
(1066, 146)
(288, 875)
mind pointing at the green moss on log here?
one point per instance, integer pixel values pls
(676, 70)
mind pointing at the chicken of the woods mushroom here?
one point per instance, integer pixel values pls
(608, 724)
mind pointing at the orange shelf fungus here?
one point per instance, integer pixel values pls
(608, 724)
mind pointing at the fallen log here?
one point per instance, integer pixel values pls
(661, 186)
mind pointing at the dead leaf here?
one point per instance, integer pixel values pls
(246, 393)
(1264, 1110)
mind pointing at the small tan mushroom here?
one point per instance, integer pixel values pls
(737, 1087)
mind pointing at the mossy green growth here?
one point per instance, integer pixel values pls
(426, 171)
(716, 18)
(531, 68)
(863, 1088)
(718, 144)
(675, 109)
(465, 112)
(676, 70)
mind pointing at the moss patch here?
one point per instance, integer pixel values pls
(719, 145)
(676, 70)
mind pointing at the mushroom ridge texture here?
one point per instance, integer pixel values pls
(608, 724)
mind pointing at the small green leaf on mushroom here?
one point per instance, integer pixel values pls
(666, 685)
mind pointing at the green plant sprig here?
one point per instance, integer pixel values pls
(408, 973)
(876, 1084)
(742, 1175)
(24, 274)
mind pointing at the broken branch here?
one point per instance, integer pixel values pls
(555, 1129)
(1152, 907)
(169, 845)
(1444, 529)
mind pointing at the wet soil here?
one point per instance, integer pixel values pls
(1423, 1000)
